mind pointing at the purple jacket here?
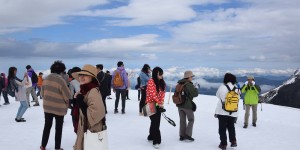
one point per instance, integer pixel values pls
(124, 77)
(30, 72)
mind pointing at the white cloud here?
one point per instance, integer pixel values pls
(20, 15)
(149, 56)
(258, 58)
(151, 12)
(259, 71)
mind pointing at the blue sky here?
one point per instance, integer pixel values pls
(240, 35)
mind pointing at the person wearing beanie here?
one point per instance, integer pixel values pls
(251, 91)
(119, 84)
(92, 114)
(186, 110)
(55, 105)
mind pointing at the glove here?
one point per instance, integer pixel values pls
(246, 83)
(253, 83)
(82, 105)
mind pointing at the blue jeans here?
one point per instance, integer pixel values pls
(22, 109)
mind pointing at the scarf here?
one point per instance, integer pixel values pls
(85, 88)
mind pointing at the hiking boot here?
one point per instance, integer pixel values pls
(6, 103)
(254, 124)
(190, 138)
(116, 111)
(20, 120)
(233, 144)
(245, 126)
(182, 138)
(222, 147)
(156, 146)
(36, 104)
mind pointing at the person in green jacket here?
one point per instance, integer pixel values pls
(186, 108)
(251, 91)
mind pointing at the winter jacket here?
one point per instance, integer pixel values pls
(153, 95)
(221, 95)
(40, 81)
(251, 94)
(95, 114)
(104, 81)
(5, 82)
(2, 82)
(56, 95)
(189, 92)
(144, 79)
(74, 87)
(20, 95)
(124, 77)
(30, 72)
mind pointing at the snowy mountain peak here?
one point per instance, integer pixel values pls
(297, 72)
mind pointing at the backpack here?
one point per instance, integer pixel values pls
(118, 80)
(231, 103)
(34, 77)
(10, 90)
(179, 97)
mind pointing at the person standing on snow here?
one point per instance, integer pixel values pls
(119, 84)
(156, 90)
(31, 90)
(251, 91)
(186, 108)
(226, 119)
(103, 81)
(4, 89)
(39, 84)
(144, 77)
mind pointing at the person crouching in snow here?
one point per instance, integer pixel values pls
(226, 119)
(156, 90)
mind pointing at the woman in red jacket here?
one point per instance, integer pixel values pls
(156, 94)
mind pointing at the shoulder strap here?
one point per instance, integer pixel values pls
(182, 86)
(233, 89)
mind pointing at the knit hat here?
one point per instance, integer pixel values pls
(86, 70)
(188, 74)
(250, 77)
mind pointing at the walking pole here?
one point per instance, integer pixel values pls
(170, 94)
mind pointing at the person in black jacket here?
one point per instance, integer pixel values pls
(138, 87)
(103, 80)
(109, 78)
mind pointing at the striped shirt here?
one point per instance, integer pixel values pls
(56, 95)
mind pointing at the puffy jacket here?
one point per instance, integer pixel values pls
(153, 95)
(221, 95)
(251, 94)
(190, 92)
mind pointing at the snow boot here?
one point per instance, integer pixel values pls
(245, 126)
(116, 111)
(189, 138)
(156, 146)
(222, 147)
(254, 124)
(233, 144)
(182, 138)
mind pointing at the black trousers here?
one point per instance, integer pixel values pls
(226, 123)
(121, 92)
(59, 120)
(5, 96)
(143, 99)
(104, 102)
(139, 94)
(154, 128)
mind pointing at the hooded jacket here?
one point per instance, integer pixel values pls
(30, 72)
(124, 77)
(251, 94)
(189, 92)
(221, 95)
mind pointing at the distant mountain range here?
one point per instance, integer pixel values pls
(286, 94)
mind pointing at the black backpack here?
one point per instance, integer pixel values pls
(34, 77)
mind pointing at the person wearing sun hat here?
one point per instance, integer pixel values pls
(185, 109)
(90, 103)
(251, 91)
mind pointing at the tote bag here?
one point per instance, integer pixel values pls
(95, 141)
(149, 109)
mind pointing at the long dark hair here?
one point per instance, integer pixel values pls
(160, 83)
(11, 73)
(229, 78)
(145, 69)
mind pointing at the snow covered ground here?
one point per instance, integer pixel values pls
(278, 128)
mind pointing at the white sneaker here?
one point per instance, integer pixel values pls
(156, 146)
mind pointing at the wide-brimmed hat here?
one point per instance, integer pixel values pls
(188, 74)
(86, 70)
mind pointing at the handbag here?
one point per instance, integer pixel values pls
(95, 141)
(149, 109)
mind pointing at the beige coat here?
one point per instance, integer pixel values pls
(95, 114)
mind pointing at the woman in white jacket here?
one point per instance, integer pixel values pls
(226, 119)
(20, 91)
